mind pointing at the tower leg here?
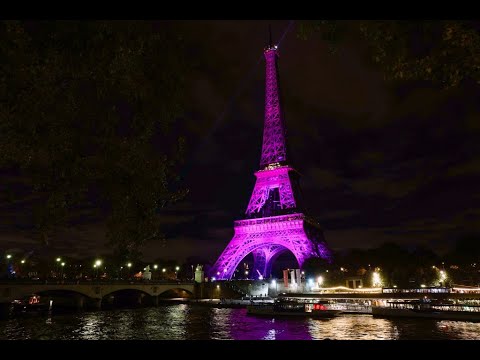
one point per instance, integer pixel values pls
(259, 262)
(273, 255)
(235, 251)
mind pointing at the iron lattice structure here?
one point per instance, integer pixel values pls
(274, 149)
(274, 221)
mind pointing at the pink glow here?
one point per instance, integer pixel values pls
(274, 148)
(274, 224)
(271, 179)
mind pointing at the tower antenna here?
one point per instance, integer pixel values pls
(270, 35)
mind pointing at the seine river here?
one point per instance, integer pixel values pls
(193, 322)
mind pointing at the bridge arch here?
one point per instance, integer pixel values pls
(127, 297)
(64, 299)
(25, 291)
(176, 292)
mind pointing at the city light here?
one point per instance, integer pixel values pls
(443, 276)
(213, 278)
(345, 289)
(274, 282)
(9, 256)
(59, 259)
(218, 286)
(423, 285)
(98, 262)
(129, 265)
(63, 264)
(177, 268)
(376, 280)
(246, 272)
(163, 270)
(23, 261)
(320, 280)
(155, 266)
(218, 273)
(95, 265)
(310, 282)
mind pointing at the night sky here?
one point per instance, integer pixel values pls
(381, 161)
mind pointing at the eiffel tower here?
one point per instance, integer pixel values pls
(274, 221)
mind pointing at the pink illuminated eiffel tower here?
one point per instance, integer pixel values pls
(274, 222)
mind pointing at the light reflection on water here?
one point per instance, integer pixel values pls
(348, 327)
(177, 322)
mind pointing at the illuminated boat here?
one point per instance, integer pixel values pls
(283, 307)
(32, 304)
(430, 309)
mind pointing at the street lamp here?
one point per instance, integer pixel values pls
(163, 270)
(155, 266)
(57, 265)
(23, 261)
(97, 266)
(129, 265)
(9, 256)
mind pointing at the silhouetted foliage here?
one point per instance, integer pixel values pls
(86, 116)
(445, 52)
(466, 251)
(314, 264)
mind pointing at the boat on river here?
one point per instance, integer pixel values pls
(30, 305)
(284, 307)
(431, 309)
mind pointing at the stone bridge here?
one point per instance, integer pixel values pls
(13, 290)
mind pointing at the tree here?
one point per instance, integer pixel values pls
(445, 52)
(466, 251)
(315, 265)
(87, 110)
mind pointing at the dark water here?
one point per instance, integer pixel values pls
(180, 321)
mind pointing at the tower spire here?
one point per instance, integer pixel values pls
(273, 146)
